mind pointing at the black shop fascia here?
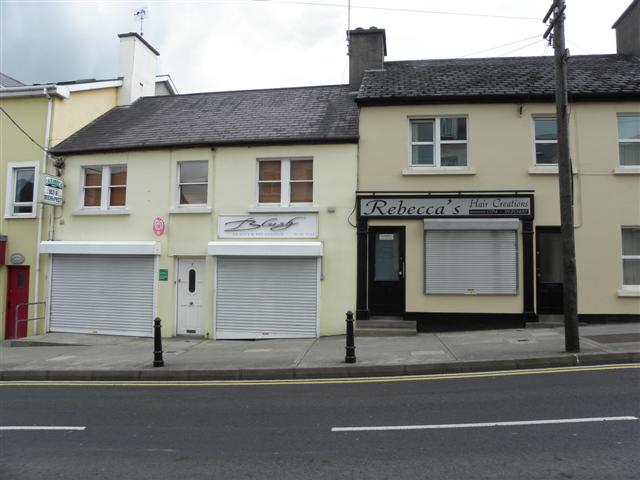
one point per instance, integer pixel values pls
(470, 248)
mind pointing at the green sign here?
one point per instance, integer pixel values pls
(164, 274)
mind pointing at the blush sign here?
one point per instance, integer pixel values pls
(158, 226)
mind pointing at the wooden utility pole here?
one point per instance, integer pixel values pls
(565, 177)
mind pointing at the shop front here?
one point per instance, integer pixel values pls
(446, 260)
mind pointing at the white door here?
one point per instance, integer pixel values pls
(267, 297)
(191, 273)
(103, 294)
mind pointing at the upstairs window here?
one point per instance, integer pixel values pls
(104, 187)
(193, 183)
(21, 190)
(629, 140)
(285, 182)
(546, 141)
(439, 142)
(631, 257)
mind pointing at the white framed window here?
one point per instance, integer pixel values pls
(22, 187)
(438, 142)
(631, 258)
(545, 144)
(193, 183)
(104, 187)
(629, 140)
(285, 182)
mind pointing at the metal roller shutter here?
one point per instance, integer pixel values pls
(471, 262)
(260, 297)
(110, 295)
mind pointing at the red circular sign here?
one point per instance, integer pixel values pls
(158, 226)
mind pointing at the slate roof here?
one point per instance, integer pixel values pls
(324, 114)
(499, 79)
(7, 81)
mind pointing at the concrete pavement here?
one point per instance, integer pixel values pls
(57, 356)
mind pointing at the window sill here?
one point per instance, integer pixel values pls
(628, 293)
(186, 210)
(630, 170)
(546, 170)
(20, 217)
(97, 213)
(279, 209)
(439, 171)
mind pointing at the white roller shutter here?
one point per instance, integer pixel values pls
(471, 262)
(104, 294)
(266, 297)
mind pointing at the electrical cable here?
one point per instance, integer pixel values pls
(499, 46)
(406, 10)
(520, 48)
(26, 134)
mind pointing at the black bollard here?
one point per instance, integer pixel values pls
(350, 357)
(157, 344)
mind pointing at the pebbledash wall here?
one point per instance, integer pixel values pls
(500, 159)
(319, 232)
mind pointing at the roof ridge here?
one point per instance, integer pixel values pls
(275, 89)
(528, 57)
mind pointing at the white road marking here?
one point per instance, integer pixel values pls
(35, 427)
(479, 425)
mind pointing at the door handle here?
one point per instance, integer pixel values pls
(190, 304)
(401, 272)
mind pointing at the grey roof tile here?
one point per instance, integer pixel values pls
(324, 114)
(494, 79)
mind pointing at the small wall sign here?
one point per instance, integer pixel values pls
(268, 226)
(50, 190)
(17, 258)
(159, 226)
(163, 274)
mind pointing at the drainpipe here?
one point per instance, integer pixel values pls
(43, 169)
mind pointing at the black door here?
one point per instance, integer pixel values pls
(549, 270)
(386, 271)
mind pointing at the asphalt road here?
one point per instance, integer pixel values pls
(285, 431)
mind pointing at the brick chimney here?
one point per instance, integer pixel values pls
(137, 68)
(367, 49)
(627, 29)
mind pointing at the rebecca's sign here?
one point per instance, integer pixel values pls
(50, 190)
(267, 226)
(446, 207)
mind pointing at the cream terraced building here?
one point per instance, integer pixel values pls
(457, 202)
(48, 114)
(225, 214)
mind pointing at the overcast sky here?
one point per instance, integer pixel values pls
(242, 44)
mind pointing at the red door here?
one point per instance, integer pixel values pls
(17, 293)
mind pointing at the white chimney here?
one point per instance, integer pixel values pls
(137, 68)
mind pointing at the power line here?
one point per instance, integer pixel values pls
(499, 46)
(519, 48)
(25, 133)
(406, 10)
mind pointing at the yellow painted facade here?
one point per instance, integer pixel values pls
(501, 157)
(67, 116)
(232, 189)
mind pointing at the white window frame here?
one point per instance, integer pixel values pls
(437, 142)
(179, 184)
(548, 142)
(105, 192)
(625, 287)
(10, 191)
(285, 182)
(626, 140)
